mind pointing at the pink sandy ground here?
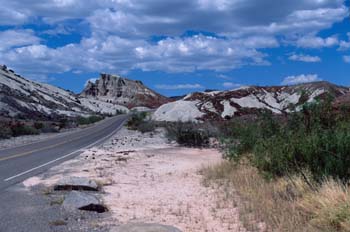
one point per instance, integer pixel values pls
(154, 182)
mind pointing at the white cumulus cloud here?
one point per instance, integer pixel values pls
(346, 59)
(305, 58)
(17, 38)
(317, 42)
(230, 85)
(122, 35)
(344, 45)
(303, 78)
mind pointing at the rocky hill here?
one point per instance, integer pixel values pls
(122, 91)
(222, 105)
(23, 98)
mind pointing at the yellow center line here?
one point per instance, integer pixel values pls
(30, 152)
(41, 149)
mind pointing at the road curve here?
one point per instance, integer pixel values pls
(19, 163)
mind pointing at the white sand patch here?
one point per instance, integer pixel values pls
(315, 94)
(228, 109)
(188, 96)
(163, 186)
(270, 100)
(101, 106)
(209, 107)
(252, 101)
(287, 99)
(178, 111)
(249, 101)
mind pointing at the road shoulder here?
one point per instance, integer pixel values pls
(144, 179)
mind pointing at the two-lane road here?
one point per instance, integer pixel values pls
(19, 163)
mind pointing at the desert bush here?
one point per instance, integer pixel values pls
(146, 126)
(191, 134)
(136, 118)
(63, 123)
(241, 138)
(5, 131)
(89, 120)
(316, 139)
(304, 159)
(324, 152)
(19, 129)
(119, 112)
(141, 122)
(38, 125)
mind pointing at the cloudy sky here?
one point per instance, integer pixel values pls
(177, 46)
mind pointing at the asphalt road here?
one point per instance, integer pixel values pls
(22, 210)
(19, 163)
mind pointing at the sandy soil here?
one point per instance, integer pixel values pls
(146, 179)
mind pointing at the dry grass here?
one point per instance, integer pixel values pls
(276, 203)
(329, 207)
(283, 204)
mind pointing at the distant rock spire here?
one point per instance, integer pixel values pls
(123, 91)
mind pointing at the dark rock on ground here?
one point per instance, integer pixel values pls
(76, 183)
(83, 201)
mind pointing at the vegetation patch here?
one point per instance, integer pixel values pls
(19, 129)
(258, 200)
(329, 206)
(315, 139)
(282, 204)
(191, 134)
(141, 121)
(5, 132)
(89, 120)
(290, 172)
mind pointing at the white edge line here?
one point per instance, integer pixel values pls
(65, 156)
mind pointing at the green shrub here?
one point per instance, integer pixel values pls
(317, 139)
(20, 129)
(136, 119)
(89, 120)
(38, 125)
(63, 123)
(146, 126)
(119, 112)
(5, 131)
(241, 137)
(139, 121)
(241, 140)
(191, 134)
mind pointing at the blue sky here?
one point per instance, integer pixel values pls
(179, 46)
